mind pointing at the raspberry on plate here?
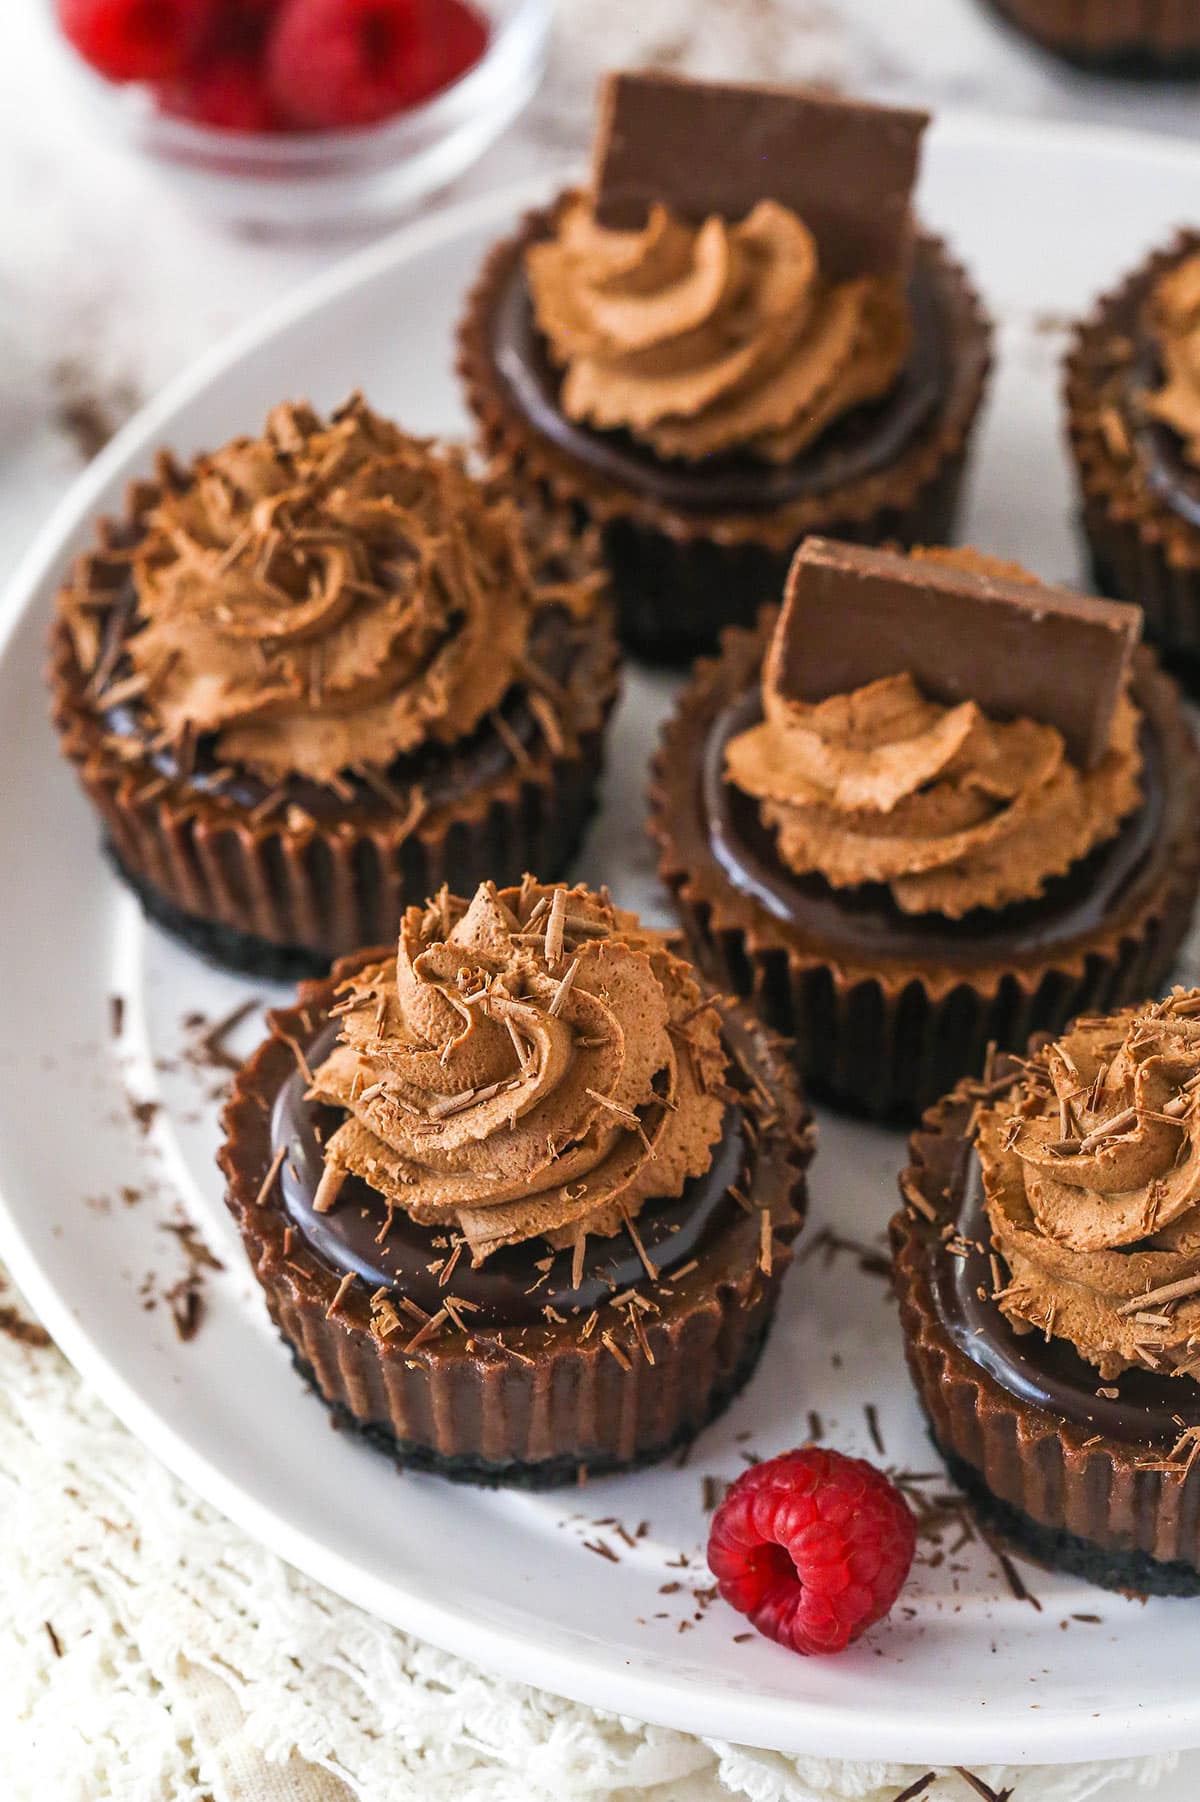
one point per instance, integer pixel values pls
(137, 40)
(813, 1546)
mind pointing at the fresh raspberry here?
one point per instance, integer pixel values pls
(241, 26)
(464, 38)
(227, 92)
(813, 1546)
(352, 62)
(137, 40)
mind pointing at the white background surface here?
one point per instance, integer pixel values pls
(103, 284)
(964, 1672)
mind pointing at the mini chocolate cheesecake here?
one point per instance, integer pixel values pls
(1139, 38)
(521, 1194)
(318, 673)
(711, 354)
(932, 806)
(1047, 1264)
(1133, 406)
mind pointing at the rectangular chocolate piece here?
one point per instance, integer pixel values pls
(846, 167)
(853, 615)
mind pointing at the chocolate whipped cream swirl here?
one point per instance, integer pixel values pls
(949, 809)
(533, 1064)
(1174, 320)
(329, 596)
(713, 338)
(1092, 1184)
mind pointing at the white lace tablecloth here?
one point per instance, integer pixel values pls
(148, 1649)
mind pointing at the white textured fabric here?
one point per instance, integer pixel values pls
(151, 1652)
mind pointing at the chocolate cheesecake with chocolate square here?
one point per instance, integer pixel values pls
(519, 1192)
(734, 335)
(1047, 1264)
(932, 805)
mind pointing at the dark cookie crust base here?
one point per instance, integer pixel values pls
(548, 1473)
(1134, 1573)
(223, 946)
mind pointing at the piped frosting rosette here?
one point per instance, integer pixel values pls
(533, 1063)
(711, 338)
(1092, 1184)
(328, 597)
(951, 809)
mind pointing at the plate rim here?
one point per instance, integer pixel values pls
(580, 1673)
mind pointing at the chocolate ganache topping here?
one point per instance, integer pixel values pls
(713, 338)
(328, 597)
(948, 808)
(1174, 324)
(1091, 1175)
(534, 1063)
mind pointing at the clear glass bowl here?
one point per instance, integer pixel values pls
(300, 183)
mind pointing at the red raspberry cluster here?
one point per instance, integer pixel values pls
(280, 65)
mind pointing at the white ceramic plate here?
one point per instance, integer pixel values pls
(964, 1672)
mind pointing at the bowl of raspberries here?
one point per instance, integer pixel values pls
(305, 114)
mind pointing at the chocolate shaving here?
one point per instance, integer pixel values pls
(1187, 1285)
(610, 1344)
(648, 1264)
(298, 1052)
(340, 1293)
(509, 739)
(554, 930)
(432, 1323)
(982, 1789)
(915, 1199)
(916, 1789)
(1013, 1578)
(559, 997)
(268, 1181)
(333, 1178)
(766, 1242)
(211, 1042)
(635, 1321)
(19, 1328)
